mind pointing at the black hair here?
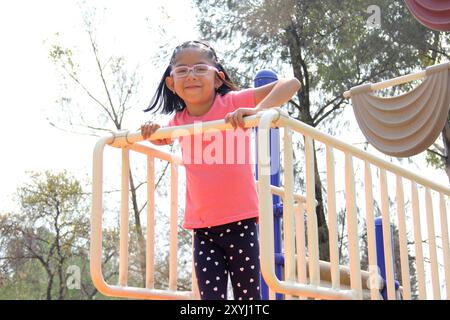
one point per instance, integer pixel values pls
(167, 100)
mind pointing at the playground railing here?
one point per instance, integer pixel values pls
(437, 258)
(130, 142)
(304, 274)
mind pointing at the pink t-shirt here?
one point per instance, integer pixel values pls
(220, 186)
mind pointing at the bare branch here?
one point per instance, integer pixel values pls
(77, 81)
(157, 183)
(294, 103)
(337, 106)
(322, 109)
(100, 69)
(437, 153)
(445, 54)
(439, 148)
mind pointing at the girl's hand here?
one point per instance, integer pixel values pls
(148, 128)
(236, 117)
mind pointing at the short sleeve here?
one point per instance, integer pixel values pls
(172, 122)
(243, 98)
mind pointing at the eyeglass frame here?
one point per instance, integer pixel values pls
(192, 68)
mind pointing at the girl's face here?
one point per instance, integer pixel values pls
(197, 87)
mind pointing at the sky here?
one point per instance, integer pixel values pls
(30, 85)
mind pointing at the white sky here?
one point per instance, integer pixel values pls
(29, 85)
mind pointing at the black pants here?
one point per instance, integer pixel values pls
(230, 248)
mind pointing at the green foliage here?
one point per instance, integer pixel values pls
(40, 244)
(435, 160)
(328, 44)
(45, 247)
(330, 47)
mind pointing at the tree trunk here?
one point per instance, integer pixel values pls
(301, 73)
(446, 141)
(138, 228)
(62, 281)
(324, 248)
(49, 286)
(62, 284)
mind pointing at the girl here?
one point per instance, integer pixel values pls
(221, 197)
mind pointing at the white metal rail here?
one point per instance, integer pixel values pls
(305, 275)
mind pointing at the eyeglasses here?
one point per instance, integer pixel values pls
(198, 69)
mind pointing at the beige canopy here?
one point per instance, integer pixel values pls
(407, 124)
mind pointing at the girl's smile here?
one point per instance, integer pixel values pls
(192, 86)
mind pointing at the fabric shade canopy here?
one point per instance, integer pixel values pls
(434, 14)
(407, 124)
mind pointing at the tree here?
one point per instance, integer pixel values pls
(117, 95)
(102, 105)
(49, 235)
(329, 46)
(438, 155)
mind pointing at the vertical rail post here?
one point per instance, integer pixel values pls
(300, 242)
(195, 290)
(150, 243)
(173, 227)
(387, 237)
(96, 248)
(124, 208)
(332, 220)
(353, 239)
(404, 262)
(288, 209)
(418, 241)
(313, 241)
(267, 252)
(445, 242)
(370, 225)
(262, 78)
(432, 246)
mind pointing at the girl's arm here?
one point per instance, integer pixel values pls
(276, 93)
(162, 142)
(270, 95)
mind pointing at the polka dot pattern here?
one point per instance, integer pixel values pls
(228, 249)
